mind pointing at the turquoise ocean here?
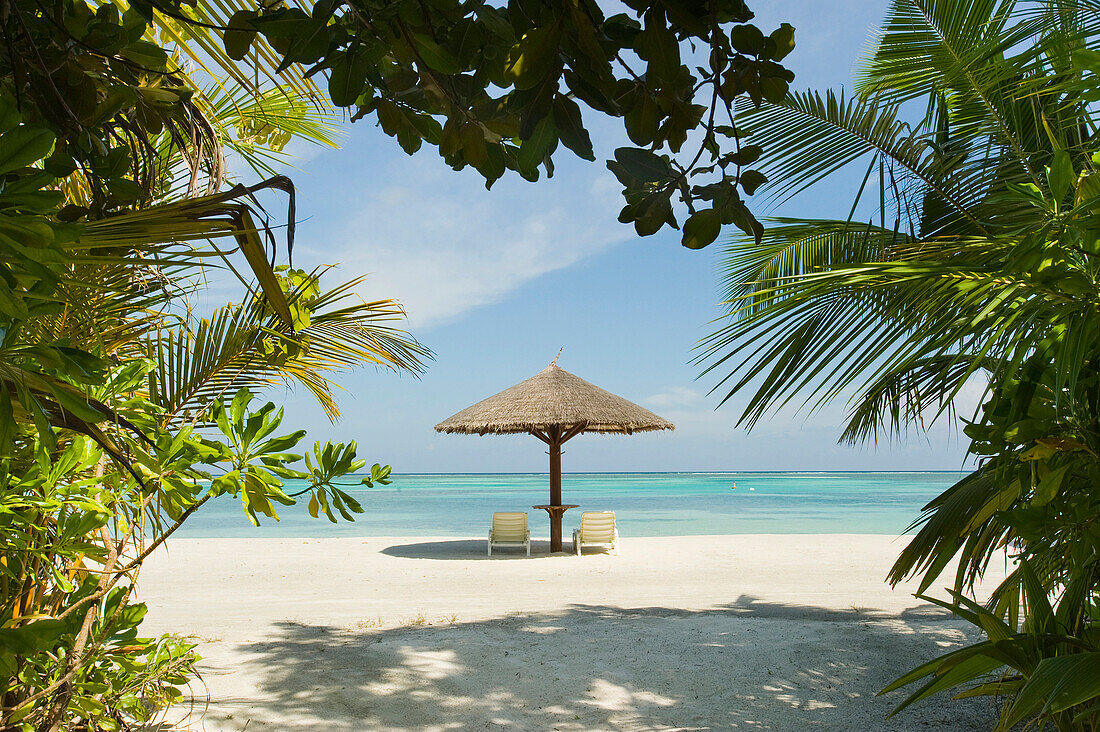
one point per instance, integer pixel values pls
(646, 504)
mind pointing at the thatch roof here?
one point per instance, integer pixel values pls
(553, 397)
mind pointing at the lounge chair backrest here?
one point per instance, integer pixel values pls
(510, 526)
(598, 526)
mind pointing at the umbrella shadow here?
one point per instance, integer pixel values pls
(467, 549)
(750, 664)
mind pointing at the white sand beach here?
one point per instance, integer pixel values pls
(753, 632)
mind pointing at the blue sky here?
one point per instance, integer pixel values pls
(495, 282)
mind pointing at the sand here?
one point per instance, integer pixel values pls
(755, 632)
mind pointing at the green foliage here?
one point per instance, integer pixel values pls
(66, 514)
(256, 460)
(332, 461)
(257, 463)
(111, 161)
(497, 88)
(1048, 668)
(54, 515)
(979, 264)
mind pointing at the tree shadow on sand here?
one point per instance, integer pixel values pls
(466, 549)
(749, 665)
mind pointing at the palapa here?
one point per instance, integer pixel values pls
(554, 406)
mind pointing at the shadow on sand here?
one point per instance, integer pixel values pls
(467, 549)
(749, 665)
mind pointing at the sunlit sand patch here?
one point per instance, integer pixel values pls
(615, 697)
(808, 704)
(416, 667)
(541, 629)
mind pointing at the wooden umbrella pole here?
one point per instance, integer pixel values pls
(555, 487)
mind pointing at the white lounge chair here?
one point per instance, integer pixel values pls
(509, 529)
(597, 528)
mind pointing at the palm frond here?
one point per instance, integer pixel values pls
(917, 395)
(247, 346)
(954, 520)
(829, 332)
(925, 46)
(811, 136)
(791, 248)
(983, 55)
(203, 46)
(158, 231)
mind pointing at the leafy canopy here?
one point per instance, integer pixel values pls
(499, 87)
(980, 263)
(112, 205)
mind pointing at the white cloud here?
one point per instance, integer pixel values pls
(675, 396)
(442, 245)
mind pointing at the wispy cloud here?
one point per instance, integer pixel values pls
(675, 396)
(444, 247)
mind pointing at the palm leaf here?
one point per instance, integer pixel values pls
(811, 136)
(959, 48)
(246, 346)
(207, 217)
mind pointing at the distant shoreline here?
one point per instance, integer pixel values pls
(647, 504)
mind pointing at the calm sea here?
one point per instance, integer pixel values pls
(646, 504)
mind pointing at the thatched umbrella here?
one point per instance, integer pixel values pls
(554, 406)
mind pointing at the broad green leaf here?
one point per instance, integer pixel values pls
(1048, 487)
(643, 119)
(238, 406)
(395, 122)
(657, 44)
(773, 89)
(347, 77)
(747, 39)
(437, 57)
(570, 128)
(750, 180)
(652, 213)
(538, 145)
(1087, 59)
(148, 55)
(34, 637)
(702, 228)
(533, 58)
(22, 146)
(495, 22)
(783, 36)
(77, 404)
(747, 155)
(644, 165)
